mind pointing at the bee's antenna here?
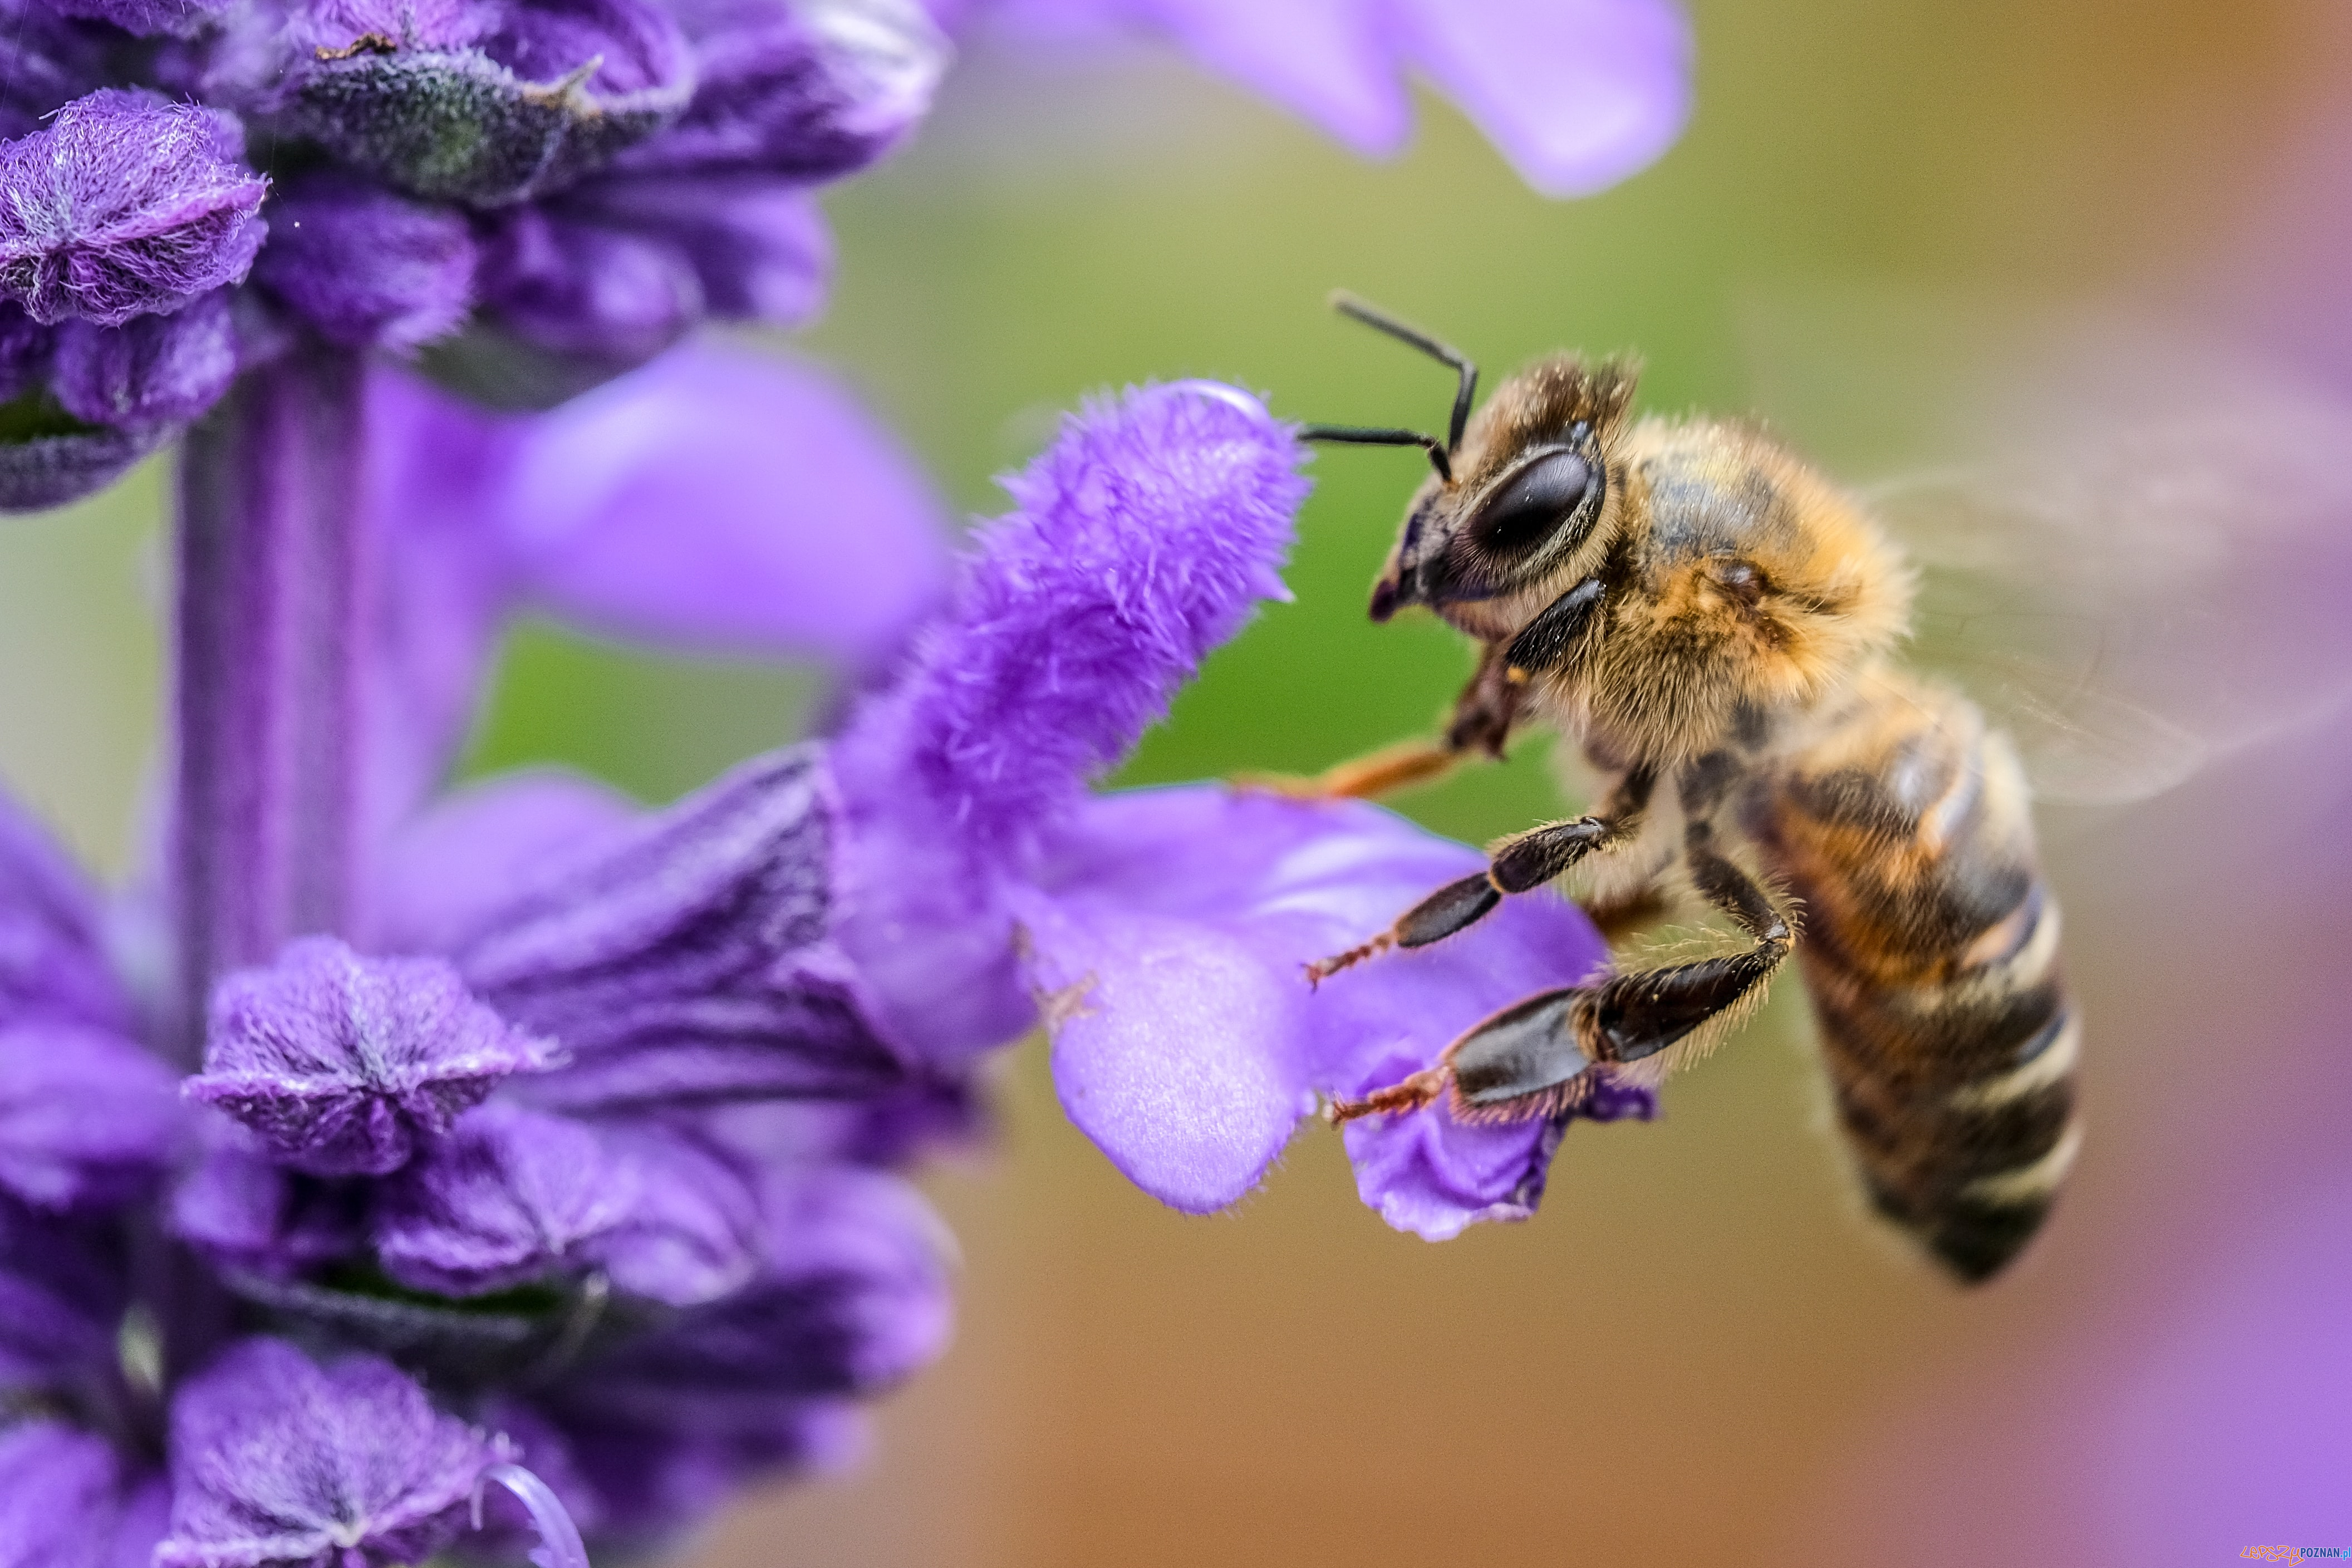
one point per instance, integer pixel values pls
(1366, 436)
(1379, 320)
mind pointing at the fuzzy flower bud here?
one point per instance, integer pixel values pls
(276, 1461)
(125, 203)
(151, 370)
(345, 1065)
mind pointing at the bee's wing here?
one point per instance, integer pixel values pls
(2147, 593)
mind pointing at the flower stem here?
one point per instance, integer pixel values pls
(272, 569)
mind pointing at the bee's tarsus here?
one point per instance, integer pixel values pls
(1410, 1094)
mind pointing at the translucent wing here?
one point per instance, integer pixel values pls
(2146, 561)
(2149, 594)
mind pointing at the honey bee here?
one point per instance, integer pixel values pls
(1718, 626)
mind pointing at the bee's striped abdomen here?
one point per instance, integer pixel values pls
(1930, 950)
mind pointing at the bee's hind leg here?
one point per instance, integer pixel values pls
(1518, 864)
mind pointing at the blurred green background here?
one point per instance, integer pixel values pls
(1688, 1353)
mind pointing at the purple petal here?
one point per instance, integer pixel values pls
(1168, 941)
(1578, 94)
(151, 370)
(1435, 1177)
(487, 104)
(694, 1232)
(1145, 537)
(125, 203)
(53, 964)
(345, 1066)
(457, 865)
(689, 959)
(252, 1217)
(364, 267)
(61, 1300)
(511, 1197)
(699, 502)
(808, 92)
(67, 1503)
(86, 1117)
(275, 1460)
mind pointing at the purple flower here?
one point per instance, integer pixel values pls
(365, 268)
(66, 1501)
(276, 1461)
(149, 371)
(344, 1065)
(125, 203)
(1146, 536)
(1163, 936)
(24, 349)
(1578, 94)
(514, 1195)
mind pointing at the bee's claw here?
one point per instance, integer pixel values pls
(1322, 969)
(1410, 1094)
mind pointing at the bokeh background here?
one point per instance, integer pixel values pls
(1697, 1352)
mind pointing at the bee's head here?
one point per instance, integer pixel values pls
(1518, 492)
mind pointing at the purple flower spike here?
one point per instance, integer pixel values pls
(809, 91)
(345, 1065)
(1145, 536)
(365, 268)
(86, 1117)
(65, 1503)
(277, 1463)
(151, 370)
(487, 104)
(1186, 1042)
(125, 203)
(512, 1197)
(693, 1233)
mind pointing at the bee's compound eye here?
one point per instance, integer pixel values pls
(1544, 497)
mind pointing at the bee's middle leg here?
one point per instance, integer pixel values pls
(1518, 864)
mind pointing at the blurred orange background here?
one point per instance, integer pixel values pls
(1698, 1350)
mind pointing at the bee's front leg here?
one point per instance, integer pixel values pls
(1518, 864)
(1484, 716)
